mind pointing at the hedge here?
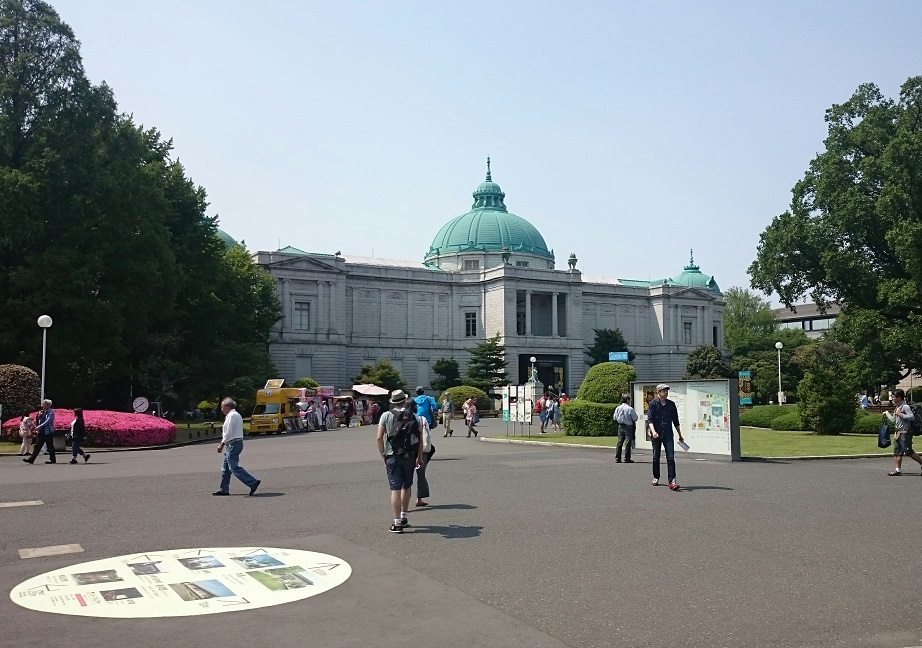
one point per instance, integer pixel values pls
(582, 418)
(789, 422)
(763, 415)
(787, 418)
(461, 393)
(867, 422)
(606, 382)
(106, 428)
(19, 390)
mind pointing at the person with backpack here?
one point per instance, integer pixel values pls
(906, 425)
(422, 482)
(398, 440)
(426, 406)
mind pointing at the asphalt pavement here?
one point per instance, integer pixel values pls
(521, 546)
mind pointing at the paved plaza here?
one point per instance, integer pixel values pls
(522, 546)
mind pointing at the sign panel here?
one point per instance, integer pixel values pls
(708, 416)
(617, 356)
(745, 387)
(183, 582)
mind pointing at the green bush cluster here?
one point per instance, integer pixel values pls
(789, 422)
(582, 418)
(867, 422)
(206, 406)
(606, 382)
(763, 415)
(20, 390)
(307, 383)
(461, 393)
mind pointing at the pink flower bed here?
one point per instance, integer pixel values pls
(107, 428)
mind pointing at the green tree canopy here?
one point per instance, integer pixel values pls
(607, 340)
(383, 374)
(447, 374)
(486, 365)
(854, 229)
(826, 393)
(747, 319)
(704, 362)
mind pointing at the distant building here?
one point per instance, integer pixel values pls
(808, 318)
(487, 271)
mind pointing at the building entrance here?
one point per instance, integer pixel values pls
(551, 370)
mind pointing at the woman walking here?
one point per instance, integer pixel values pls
(77, 435)
(27, 432)
(422, 482)
(471, 416)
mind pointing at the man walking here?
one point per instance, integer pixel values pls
(626, 418)
(903, 417)
(398, 441)
(662, 415)
(426, 406)
(232, 446)
(448, 410)
(44, 430)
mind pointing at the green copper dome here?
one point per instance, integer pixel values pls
(693, 277)
(226, 238)
(488, 227)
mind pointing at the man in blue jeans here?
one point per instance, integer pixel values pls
(662, 415)
(232, 446)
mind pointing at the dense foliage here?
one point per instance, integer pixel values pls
(606, 382)
(20, 390)
(583, 418)
(307, 383)
(486, 365)
(101, 229)
(446, 374)
(706, 362)
(827, 391)
(607, 340)
(108, 429)
(382, 373)
(461, 393)
(854, 229)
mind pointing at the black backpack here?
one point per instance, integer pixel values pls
(404, 436)
(915, 426)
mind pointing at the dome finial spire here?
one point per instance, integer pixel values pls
(691, 255)
(489, 176)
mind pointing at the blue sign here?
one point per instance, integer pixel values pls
(617, 356)
(745, 378)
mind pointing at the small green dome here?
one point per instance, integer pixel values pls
(226, 238)
(693, 277)
(488, 227)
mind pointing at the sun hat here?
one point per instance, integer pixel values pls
(398, 396)
(661, 387)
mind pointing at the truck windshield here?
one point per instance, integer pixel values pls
(266, 408)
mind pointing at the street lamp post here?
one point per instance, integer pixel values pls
(779, 346)
(532, 376)
(45, 323)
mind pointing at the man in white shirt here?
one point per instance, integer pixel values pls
(626, 418)
(232, 446)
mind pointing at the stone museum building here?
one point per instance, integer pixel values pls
(487, 271)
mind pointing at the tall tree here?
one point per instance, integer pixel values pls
(383, 374)
(706, 361)
(747, 318)
(607, 340)
(827, 391)
(487, 364)
(447, 374)
(854, 229)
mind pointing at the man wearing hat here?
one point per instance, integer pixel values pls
(662, 415)
(399, 463)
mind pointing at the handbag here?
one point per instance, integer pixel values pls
(883, 436)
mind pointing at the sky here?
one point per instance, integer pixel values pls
(627, 133)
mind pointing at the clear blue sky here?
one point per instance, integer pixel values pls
(625, 132)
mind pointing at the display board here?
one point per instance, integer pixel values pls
(183, 582)
(708, 414)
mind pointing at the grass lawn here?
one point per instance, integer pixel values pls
(757, 442)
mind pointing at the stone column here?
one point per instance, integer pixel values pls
(317, 324)
(286, 307)
(527, 312)
(554, 315)
(409, 314)
(330, 306)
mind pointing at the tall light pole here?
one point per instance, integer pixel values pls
(45, 323)
(533, 378)
(779, 346)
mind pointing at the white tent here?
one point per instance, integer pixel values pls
(369, 390)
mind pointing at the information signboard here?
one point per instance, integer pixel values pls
(617, 356)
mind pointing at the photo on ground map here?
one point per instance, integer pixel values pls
(121, 594)
(93, 578)
(148, 568)
(283, 578)
(201, 590)
(201, 562)
(258, 561)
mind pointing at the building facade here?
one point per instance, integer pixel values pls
(487, 272)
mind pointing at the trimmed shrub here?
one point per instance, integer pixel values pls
(105, 428)
(606, 382)
(582, 418)
(867, 422)
(763, 415)
(789, 422)
(206, 406)
(20, 390)
(307, 383)
(461, 393)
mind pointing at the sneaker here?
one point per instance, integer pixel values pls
(73, 461)
(894, 473)
(404, 523)
(628, 461)
(254, 487)
(617, 460)
(655, 481)
(396, 529)
(673, 486)
(220, 493)
(86, 458)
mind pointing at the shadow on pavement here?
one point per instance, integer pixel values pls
(269, 494)
(457, 507)
(694, 488)
(451, 531)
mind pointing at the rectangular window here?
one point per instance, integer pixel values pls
(304, 367)
(472, 264)
(422, 373)
(687, 332)
(521, 264)
(714, 332)
(302, 316)
(520, 323)
(470, 325)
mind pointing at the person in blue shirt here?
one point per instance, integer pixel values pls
(426, 406)
(44, 429)
(662, 416)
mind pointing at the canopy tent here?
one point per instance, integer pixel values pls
(369, 390)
